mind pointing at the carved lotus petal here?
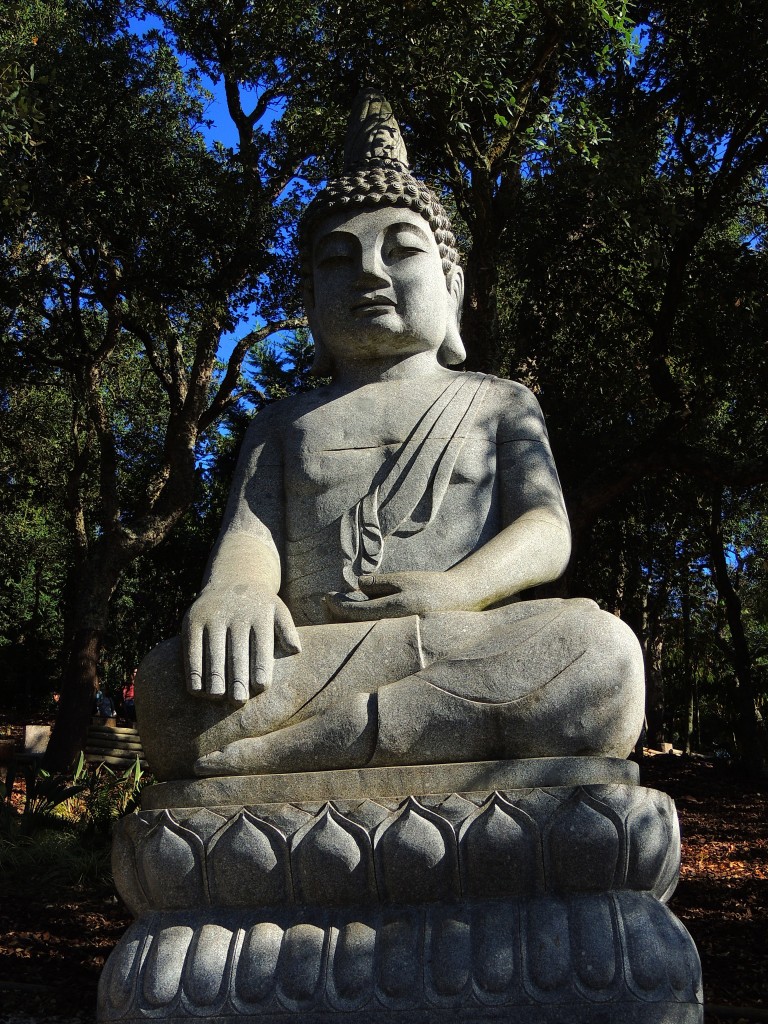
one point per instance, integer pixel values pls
(300, 969)
(650, 831)
(162, 969)
(204, 823)
(127, 841)
(582, 848)
(448, 945)
(398, 960)
(671, 873)
(257, 966)
(500, 851)
(248, 864)
(496, 952)
(661, 956)
(547, 945)
(171, 866)
(351, 968)
(594, 944)
(648, 974)
(332, 861)
(205, 974)
(416, 856)
(116, 986)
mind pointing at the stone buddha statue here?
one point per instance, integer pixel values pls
(391, 788)
(361, 606)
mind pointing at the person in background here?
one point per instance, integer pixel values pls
(128, 706)
(104, 706)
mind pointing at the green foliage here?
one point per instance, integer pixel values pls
(90, 799)
(636, 310)
(55, 858)
(44, 793)
(103, 795)
(278, 371)
(35, 545)
(22, 113)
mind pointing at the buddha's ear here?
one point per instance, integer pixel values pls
(455, 282)
(452, 351)
(308, 293)
(322, 366)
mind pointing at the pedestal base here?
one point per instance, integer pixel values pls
(541, 905)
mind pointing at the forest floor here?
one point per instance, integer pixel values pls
(54, 940)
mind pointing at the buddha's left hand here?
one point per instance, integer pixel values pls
(393, 595)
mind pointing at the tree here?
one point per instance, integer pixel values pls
(35, 546)
(21, 111)
(483, 88)
(155, 284)
(637, 301)
(140, 249)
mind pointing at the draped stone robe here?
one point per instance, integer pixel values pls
(338, 491)
(444, 466)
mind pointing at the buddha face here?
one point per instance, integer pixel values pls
(378, 287)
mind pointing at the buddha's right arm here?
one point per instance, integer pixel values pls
(229, 633)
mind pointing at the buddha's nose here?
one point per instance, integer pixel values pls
(372, 273)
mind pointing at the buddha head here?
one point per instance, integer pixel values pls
(377, 194)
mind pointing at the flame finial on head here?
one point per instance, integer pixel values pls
(373, 136)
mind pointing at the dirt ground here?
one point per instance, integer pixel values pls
(53, 946)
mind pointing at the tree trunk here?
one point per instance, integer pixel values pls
(76, 701)
(688, 678)
(655, 700)
(750, 740)
(95, 583)
(480, 322)
(640, 611)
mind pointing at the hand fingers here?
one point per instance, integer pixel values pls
(215, 658)
(285, 630)
(344, 609)
(192, 637)
(238, 662)
(262, 652)
(390, 606)
(380, 585)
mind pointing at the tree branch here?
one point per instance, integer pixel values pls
(661, 454)
(244, 126)
(222, 398)
(145, 337)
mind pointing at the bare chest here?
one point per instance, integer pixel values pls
(396, 440)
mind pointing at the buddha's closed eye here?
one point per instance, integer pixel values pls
(402, 252)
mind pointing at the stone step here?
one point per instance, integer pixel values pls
(117, 746)
(113, 730)
(114, 741)
(113, 750)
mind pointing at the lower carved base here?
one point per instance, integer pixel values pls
(586, 959)
(520, 902)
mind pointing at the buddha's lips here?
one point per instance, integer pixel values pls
(373, 302)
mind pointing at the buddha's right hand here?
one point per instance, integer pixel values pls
(229, 637)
